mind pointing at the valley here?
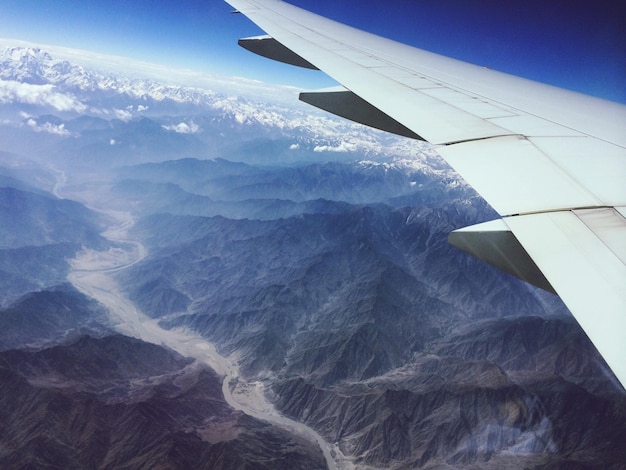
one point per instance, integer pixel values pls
(91, 275)
(206, 274)
(294, 313)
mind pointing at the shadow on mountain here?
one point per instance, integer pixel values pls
(39, 233)
(49, 317)
(116, 402)
(330, 281)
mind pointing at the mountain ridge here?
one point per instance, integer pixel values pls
(177, 419)
(33, 83)
(310, 251)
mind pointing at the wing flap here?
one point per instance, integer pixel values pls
(516, 177)
(595, 164)
(608, 224)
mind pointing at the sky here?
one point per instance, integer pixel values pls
(575, 44)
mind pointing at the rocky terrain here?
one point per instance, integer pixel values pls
(374, 331)
(310, 252)
(471, 403)
(116, 402)
(38, 232)
(49, 317)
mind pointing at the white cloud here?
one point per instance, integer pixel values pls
(294, 146)
(47, 127)
(342, 147)
(122, 114)
(42, 95)
(183, 128)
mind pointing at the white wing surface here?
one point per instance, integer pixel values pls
(550, 161)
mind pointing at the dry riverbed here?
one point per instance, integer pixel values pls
(92, 274)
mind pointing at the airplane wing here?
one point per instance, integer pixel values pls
(550, 161)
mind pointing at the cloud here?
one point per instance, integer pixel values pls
(294, 146)
(123, 114)
(47, 127)
(183, 128)
(42, 95)
(342, 147)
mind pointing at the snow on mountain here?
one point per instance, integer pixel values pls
(36, 67)
(68, 83)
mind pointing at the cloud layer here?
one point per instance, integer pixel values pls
(183, 128)
(42, 95)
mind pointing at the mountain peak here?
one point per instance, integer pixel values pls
(48, 80)
(22, 54)
(23, 64)
(37, 67)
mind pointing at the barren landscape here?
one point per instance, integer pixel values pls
(201, 275)
(91, 275)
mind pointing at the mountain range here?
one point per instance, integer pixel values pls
(311, 253)
(118, 402)
(59, 100)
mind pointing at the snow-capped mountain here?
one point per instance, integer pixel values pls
(32, 65)
(36, 83)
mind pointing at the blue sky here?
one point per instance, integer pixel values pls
(577, 44)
